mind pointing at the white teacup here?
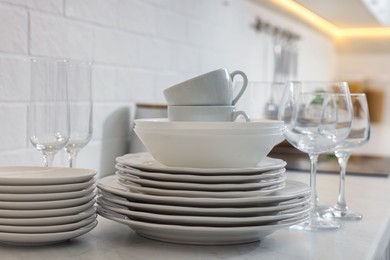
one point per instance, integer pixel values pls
(214, 88)
(205, 113)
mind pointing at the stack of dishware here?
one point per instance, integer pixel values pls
(44, 205)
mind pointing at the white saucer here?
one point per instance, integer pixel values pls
(48, 228)
(48, 220)
(284, 207)
(51, 204)
(144, 161)
(218, 187)
(43, 213)
(292, 190)
(46, 196)
(30, 189)
(44, 238)
(209, 221)
(26, 175)
(197, 234)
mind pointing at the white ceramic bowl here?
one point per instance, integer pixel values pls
(208, 150)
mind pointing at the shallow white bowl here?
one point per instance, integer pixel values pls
(208, 150)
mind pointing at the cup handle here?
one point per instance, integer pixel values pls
(237, 114)
(245, 83)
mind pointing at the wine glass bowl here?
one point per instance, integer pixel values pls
(317, 117)
(48, 110)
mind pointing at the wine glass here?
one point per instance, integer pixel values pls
(359, 135)
(317, 117)
(81, 108)
(48, 111)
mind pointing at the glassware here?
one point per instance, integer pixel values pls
(48, 111)
(81, 108)
(317, 117)
(359, 135)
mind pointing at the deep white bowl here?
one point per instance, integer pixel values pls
(208, 150)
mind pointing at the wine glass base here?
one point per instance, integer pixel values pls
(343, 214)
(317, 224)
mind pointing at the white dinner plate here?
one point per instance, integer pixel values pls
(198, 194)
(292, 190)
(145, 162)
(32, 175)
(197, 234)
(48, 228)
(43, 238)
(50, 204)
(174, 185)
(43, 213)
(46, 196)
(58, 220)
(31, 189)
(202, 220)
(193, 178)
(283, 207)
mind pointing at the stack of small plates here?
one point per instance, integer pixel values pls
(202, 206)
(41, 205)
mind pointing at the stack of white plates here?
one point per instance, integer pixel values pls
(41, 205)
(202, 206)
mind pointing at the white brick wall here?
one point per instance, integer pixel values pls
(139, 48)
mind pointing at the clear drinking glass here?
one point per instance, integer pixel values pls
(359, 135)
(48, 111)
(317, 117)
(81, 108)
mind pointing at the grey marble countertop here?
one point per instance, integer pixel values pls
(365, 239)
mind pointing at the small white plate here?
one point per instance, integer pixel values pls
(144, 161)
(199, 235)
(31, 189)
(193, 178)
(292, 190)
(26, 175)
(201, 194)
(48, 220)
(46, 196)
(43, 213)
(51, 204)
(202, 220)
(219, 187)
(286, 206)
(44, 238)
(48, 228)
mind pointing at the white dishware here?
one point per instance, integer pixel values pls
(240, 179)
(81, 107)
(33, 175)
(44, 238)
(205, 114)
(144, 161)
(48, 111)
(288, 206)
(210, 221)
(197, 234)
(291, 190)
(41, 221)
(317, 118)
(172, 185)
(46, 196)
(212, 89)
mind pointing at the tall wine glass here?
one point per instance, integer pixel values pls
(81, 108)
(359, 135)
(317, 117)
(48, 111)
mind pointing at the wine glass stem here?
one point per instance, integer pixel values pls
(48, 159)
(72, 158)
(343, 160)
(313, 171)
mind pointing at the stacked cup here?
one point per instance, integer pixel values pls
(208, 97)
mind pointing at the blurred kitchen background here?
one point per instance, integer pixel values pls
(141, 47)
